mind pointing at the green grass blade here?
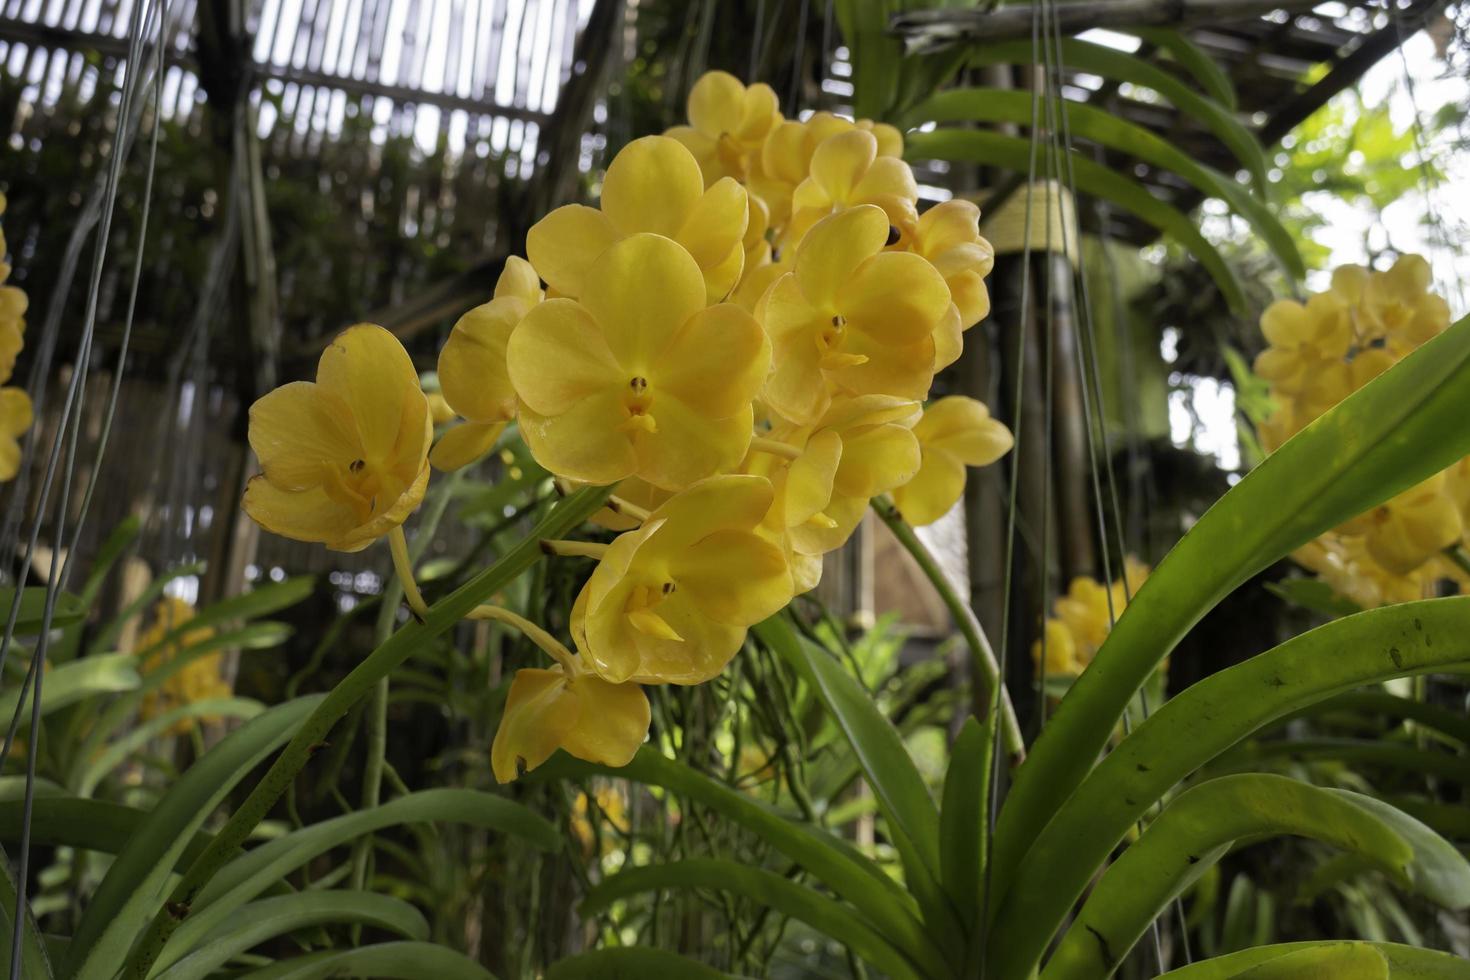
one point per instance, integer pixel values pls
(1014, 153)
(828, 916)
(1396, 431)
(1178, 847)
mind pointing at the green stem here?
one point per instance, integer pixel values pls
(412, 637)
(982, 657)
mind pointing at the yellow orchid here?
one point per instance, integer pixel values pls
(344, 459)
(1062, 659)
(1394, 305)
(653, 186)
(1304, 339)
(439, 408)
(612, 805)
(15, 419)
(201, 678)
(851, 316)
(955, 432)
(670, 602)
(948, 235)
(1408, 530)
(546, 710)
(11, 343)
(1345, 565)
(475, 382)
(728, 124)
(1087, 612)
(639, 377)
(518, 280)
(846, 171)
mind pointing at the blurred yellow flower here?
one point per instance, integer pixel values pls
(955, 432)
(670, 602)
(948, 235)
(1304, 339)
(852, 317)
(846, 171)
(550, 709)
(1061, 651)
(652, 185)
(1405, 532)
(1086, 614)
(612, 808)
(344, 459)
(15, 419)
(728, 124)
(1394, 305)
(639, 377)
(199, 678)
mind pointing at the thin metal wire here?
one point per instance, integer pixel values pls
(755, 40)
(992, 802)
(794, 97)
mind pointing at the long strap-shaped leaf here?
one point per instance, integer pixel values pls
(253, 872)
(120, 750)
(34, 963)
(1386, 756)
(1107, 129)
(850, 875)
(1014, 153)
(89, 825)
(1322, 963)
(78, 679)
(1119, 66)
(1192, 58)
(259, 921)
(828, 916)
(1396, 431)
(385, 961)
(1193, 727)
(1438, 870)
(631, 963)
(1180, 845)
(132, 888)
(1448, 721)
(905, 802)
(1404, 962)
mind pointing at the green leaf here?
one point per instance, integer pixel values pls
(133, 888)
(1353, 962)
(257, 922)
(963, 821)
(1122, 67)
(1405, 962)
(34, 963)
(107, 638)
(765, 888)
(260, 601)
(890, 770)
(1388, 756)
(1453, 723)
(1110, 130)
(78, 679)
(14, 787)
(1180, 845)
(1194, 60)
(121, 749)
(834, 862)
(92, 825)
(1196, 725)
(385, 961)
(1014, 153)
(1438, 871)
(1450, 819)
(68, 612)
(1394, 432)
(117, 543)
(252, 873)
(1314, 595)
(632, 963)
(875, 57)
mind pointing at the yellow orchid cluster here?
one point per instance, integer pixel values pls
(15, 404)
(1321, 351)
(201, 679)
(739, 338)
(1083, 617)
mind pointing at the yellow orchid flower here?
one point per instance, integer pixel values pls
(846, 171)
(344, 459)
(613, 807)
(475, 381)
(639, 377)
(653, 186)
(518, 280)
(670, 602)
(955, 432)
(948, 235)
(1062, 659)
(1394, 305)
(728, 124)
(851, 316)
(1304, 340)
(1408, 530)
(15, 419)
(439, 409)
(591, 718)
(1086, 613)
(200, 679)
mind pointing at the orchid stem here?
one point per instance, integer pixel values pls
(574, 549)
(548, 643)
(774, 448)
(403, 567)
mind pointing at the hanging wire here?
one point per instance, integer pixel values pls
(992, 801)
(755, 40)
(793, 99)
